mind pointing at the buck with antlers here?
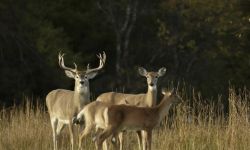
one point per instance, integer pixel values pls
(142, 100)
(116, 118)
(63, 104)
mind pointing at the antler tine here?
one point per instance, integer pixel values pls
(75, 66)
(61, 62)
(99, 56)
(60, 55)
(104, 56)
(88, 66)
(102, 59)
(60, 58)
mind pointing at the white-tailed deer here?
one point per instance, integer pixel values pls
(142, 100)
(63, 104)
(116, 118)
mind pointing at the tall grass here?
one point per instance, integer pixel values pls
(194, 124)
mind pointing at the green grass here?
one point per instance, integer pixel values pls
(28, 128)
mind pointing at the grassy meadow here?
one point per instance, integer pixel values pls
(197, 126)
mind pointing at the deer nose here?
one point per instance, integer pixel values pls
(151, 84)
(81, 82)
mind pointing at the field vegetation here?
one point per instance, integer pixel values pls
(194, 124)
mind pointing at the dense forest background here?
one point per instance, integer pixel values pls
(202, 43)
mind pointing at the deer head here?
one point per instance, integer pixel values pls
(82, 77)
(152, 77)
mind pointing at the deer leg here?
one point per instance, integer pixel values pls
(149, 139)
(60, 126)
(104, 145)
(144, 140)
(84, 133)
(120, 137)
(71, 132)
(139, 139)
(54, 123)
(104, 135)
(115, 141)
(97, 131)
(80, 128)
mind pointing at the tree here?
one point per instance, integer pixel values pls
(122, 15)
(202, 38)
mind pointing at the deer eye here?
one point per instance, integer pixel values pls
(156, 76)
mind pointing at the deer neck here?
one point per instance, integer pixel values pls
(81, 96)
(164, 106)
(151, 96)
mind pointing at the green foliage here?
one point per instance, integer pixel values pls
(205, 43)
(204, 38)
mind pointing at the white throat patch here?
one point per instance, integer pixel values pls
(152, 87)
(82, 89)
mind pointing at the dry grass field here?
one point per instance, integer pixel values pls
(200, 126)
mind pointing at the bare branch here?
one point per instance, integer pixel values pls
(127, 18)
(127, 34)
(109, 14)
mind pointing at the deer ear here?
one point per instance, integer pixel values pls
(70, 74)
(162, 71)
(165, 92)
(91, 75)
(142, 71)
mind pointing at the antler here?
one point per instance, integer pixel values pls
(61, 63)
(102, 60)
